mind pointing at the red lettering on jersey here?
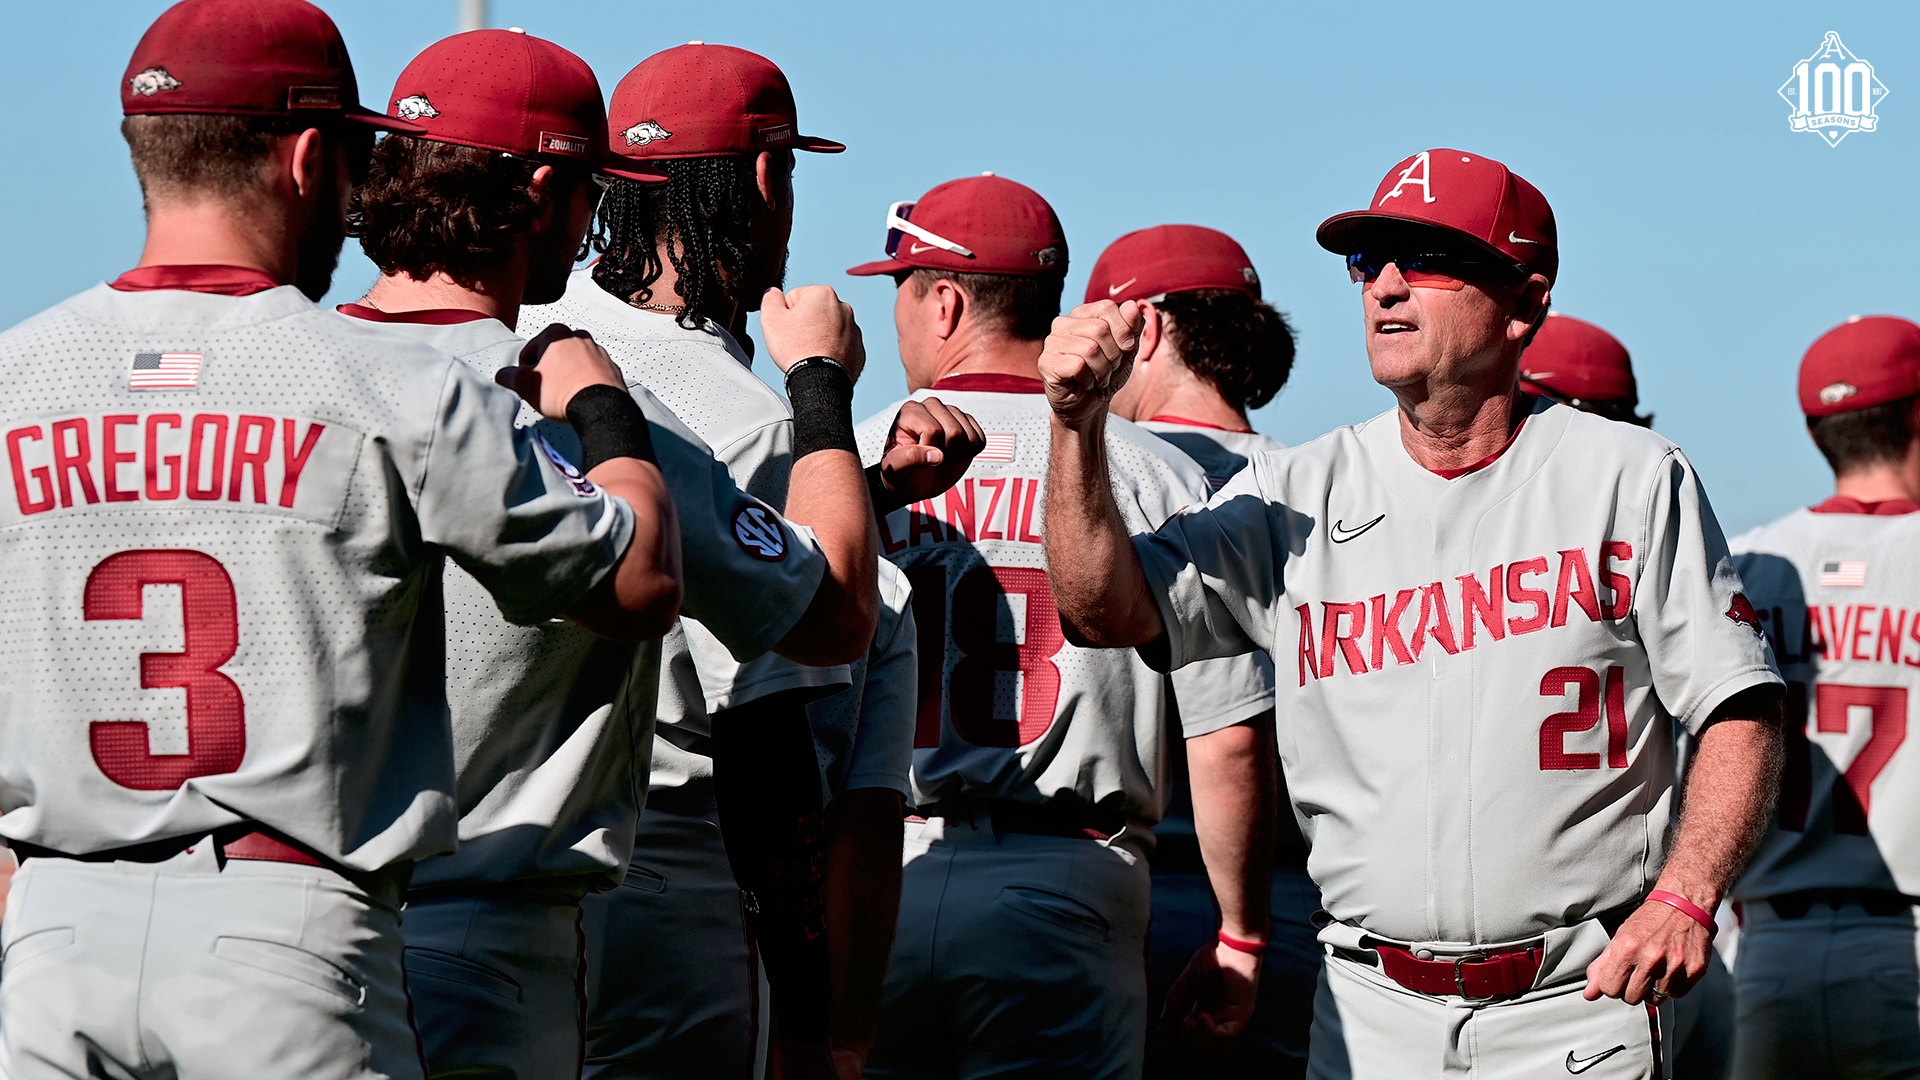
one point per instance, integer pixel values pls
(297, 460)
(112, 457)
(999, 485)
(1620, 585)
(1859, 631)
(254, 460)
(1584, 715)
(1913, 632)
(1347, 643)
(74, 461)
(1616, 717)
(921, 521)
(217, 473)
(1307, 663)
(960, 520)
(1026, 516)
(1386, 628)
(1520, 594)
(172, 461)
(1887, 711)
(1013, 508)
(1487, 605)
(1433, 619)
(1833, 645)
(1574, 572)
(29, 504)
(1886, 648)
(888, 544)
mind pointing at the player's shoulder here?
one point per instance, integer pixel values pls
(1143, 456)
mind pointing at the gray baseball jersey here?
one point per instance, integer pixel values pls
(1220, 452)
(553, 726)
(1008, 708)
(223, 560)
(707, 380)
(864, 734)
(1839, 595)
(1478, 676)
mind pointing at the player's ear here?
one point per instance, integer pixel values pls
(1150, 334)
(309, 157)
(953, 307)
(1532, 298)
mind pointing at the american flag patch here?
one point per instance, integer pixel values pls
(999, 448)
(164, 371)
(1843, 574)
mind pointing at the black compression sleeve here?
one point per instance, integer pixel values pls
(884, 502)
(767, 786)
(822, 395)
(610, 425)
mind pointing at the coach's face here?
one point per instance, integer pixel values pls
(1467, 329)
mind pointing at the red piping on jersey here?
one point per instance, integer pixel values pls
(1455, 474)
(992, 383)
(446, 316)
(1841, 504)
(222, 280)
(1168, 418)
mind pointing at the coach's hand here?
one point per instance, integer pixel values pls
(1210, 1003)
(811, 321)
(929, 449)
(1657, 949)
(1087, 359)
(556, 364)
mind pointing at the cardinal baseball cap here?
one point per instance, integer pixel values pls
(982, 224)
(701, 100)
(247, 58)
(1866, 361)
(1572, 358)
(1170, 259)
(1464, 194)
(507, 90)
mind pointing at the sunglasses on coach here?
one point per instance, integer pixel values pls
(1425, 267)
(898, 226)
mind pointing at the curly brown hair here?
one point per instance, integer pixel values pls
(433, 207)
(1237, 342)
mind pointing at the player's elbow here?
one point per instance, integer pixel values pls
(837, 627)
(631, 604)
(654, 605)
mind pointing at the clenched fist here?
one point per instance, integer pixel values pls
(1087, 359)
(556, 364)
(811, 321)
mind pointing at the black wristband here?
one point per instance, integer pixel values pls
(610, 425)
(822, 395)
(884, 501)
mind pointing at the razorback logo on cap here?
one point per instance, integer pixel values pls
(644, 132)
(1422, 161)
(152, 81)
(415, 106)
(1741, 611)
(1835, 393)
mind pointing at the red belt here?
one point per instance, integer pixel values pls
(259, 847)
(1472, 976)
(252, 846)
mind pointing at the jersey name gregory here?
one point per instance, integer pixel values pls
(244, 460)
(1360, 635)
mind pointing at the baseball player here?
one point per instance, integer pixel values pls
(547, 719)
(672, 980)
(1578, 364)
(1039, 766)
(1210, 349)
(224, 737)
(1488, 809)
(1826, 972)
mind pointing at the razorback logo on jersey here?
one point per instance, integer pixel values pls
(279, 463)
(1482, 606)
(1741, 611)
(970, 511)
(757, 530)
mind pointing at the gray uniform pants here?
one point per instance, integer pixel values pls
(1016, 955)
(1834, 993)
(187, 970)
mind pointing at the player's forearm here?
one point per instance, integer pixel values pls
(1235, 796)
(1728, 798)
(640, 597)
(863, 905)
(1098, 585)
(829, 493)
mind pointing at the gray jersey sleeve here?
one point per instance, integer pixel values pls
(1215, 572)
(888, 688)
(1703, 639)
(1216, 694)
(503, 506)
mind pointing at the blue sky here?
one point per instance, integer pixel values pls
(1694, 224)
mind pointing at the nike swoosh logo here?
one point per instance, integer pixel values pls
(918, 248)
(1579, 1065)
(1114, 290)
(1512, 239)
(1340, 527)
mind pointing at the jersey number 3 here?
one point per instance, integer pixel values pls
(216, 717)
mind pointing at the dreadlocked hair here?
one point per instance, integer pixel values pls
(702, 215)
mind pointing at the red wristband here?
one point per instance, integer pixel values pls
(1254, 947)
(1688, 908)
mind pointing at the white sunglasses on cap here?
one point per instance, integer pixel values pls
(897, 224)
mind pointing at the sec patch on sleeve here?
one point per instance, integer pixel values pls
(759, 532)
(582, 486)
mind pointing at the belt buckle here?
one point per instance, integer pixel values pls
(1460, 980)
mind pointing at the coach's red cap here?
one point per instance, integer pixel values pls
(1576, 359)
(1170, 259)
(1465, 194)
(508, 90)
(246, 58)
(977, 225)
(700, 100)
(1866, 361)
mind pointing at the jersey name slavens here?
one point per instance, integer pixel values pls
(1362, 633)
(1870, 632)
